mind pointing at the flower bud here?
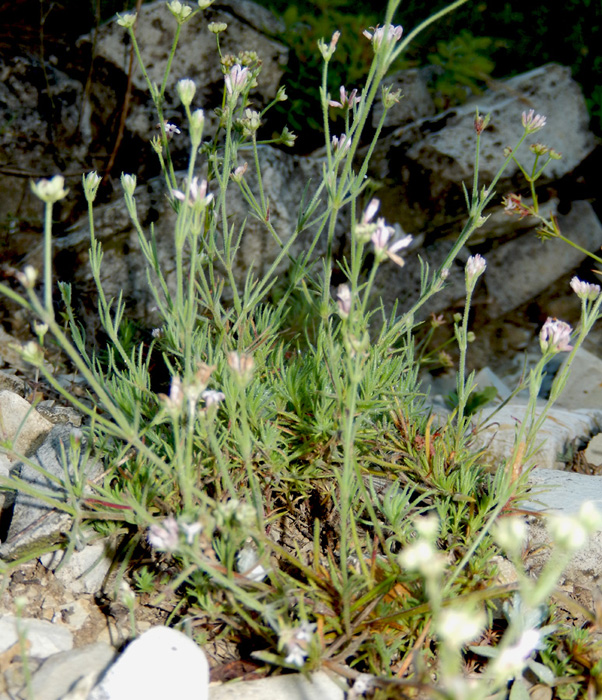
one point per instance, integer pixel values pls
(50, 191)
(186, 89)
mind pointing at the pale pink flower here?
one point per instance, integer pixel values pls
(370, 211)
(341, 143)
(555, 336)
(212, 397)
(376, 36)
(237, 79)
(345, 100)
(166, 536)
(197, 195)
(585, 290)
(344, 300)
(533, 122)
(475, 266)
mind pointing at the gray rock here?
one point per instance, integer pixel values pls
(560, 429)
(319, 686)
(196, 58)
(161, 663)
(415, 103)
(522, 268)
(426, 161)
(62, 672)
(584, 390)
(35, 523)
(44, 638)
(84, 571)
(564, 493)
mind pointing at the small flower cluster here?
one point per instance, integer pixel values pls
(346, 101)
(513, 205)
(376, 36)
(165, 536)
(555, 336)
(188, 395)
(380, 234)
(197, 194)
(533, 122)
(296, 642)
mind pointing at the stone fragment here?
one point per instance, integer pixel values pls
(36, 523)
(84, 571)
(584, 390)
(526, 266)
(61, 672)
(319, 686)
(44, 638)
(564, 493)
(161, 663)
(556, 436)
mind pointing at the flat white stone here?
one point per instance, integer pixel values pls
(584, 388)
(160, 664)
(291, 687)
(593, 453)
(45, 638)
(556, 435)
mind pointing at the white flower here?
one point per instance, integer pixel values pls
(127, 21)
(50, 191)
(377, 35)
(344, 300)
(510, 533)
(475, 266)
(458, 626)
(237, 79)
(197, 195)
(186, 89)
(567, 532)
(511, 661)
(212, 397)
(128, 182)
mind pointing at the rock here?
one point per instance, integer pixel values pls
(62, 672)
(196, 58)
(34, 522)
(319, 686)
(585, 386)
(44, 638)
(556, 436)
(415, 102)
(23, 427)
(564, 493)
(84, 571)
(39, 106)
(526, 266)
(161, 663)
(426, 162)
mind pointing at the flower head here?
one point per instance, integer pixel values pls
(341, 143)
(512, 659)
(585, 290)
(378, 34)
(165, 536)
(127, 20)
(345, 100)
(555, 336)
(50, 191)
(211, 397)
(186, 89)
(513, 205)
(458, 626)
(91, 183)
(170, 129)
(237, 79)
(344, 300)
(533, 122)
(197, 194)
(475, 266)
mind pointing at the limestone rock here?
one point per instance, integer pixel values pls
(161, 663)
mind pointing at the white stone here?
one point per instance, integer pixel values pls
(84, 571)
(557, 433)
(45, 638)
(61, 672)
(162, 663)
(564, 493)
(20, 422)
(584, 389)
(291, 687)
(593, 453)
